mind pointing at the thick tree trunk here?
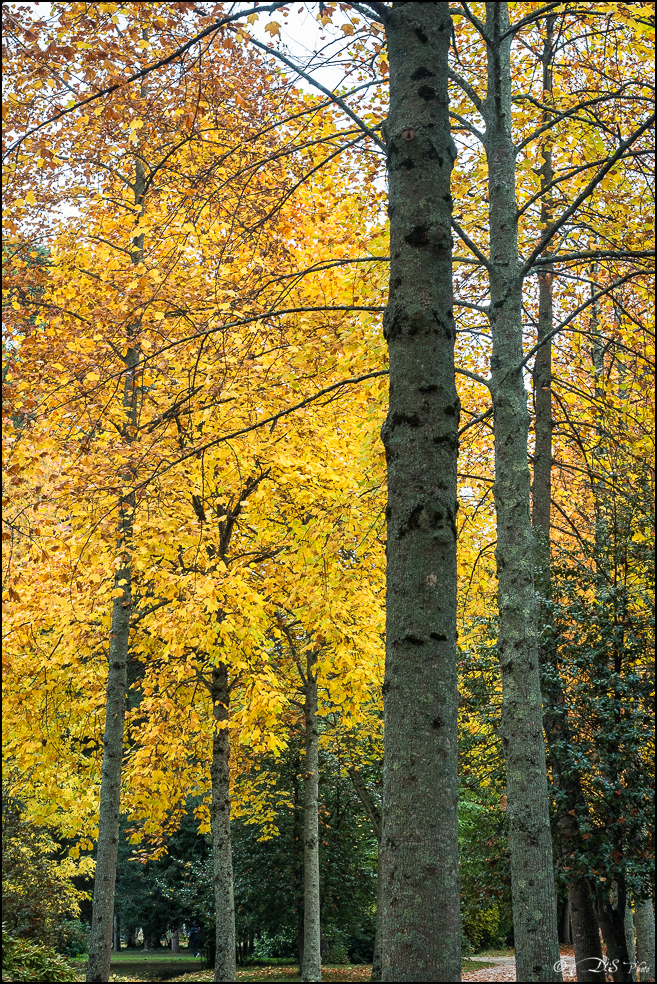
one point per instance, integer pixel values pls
(100, 939)
(532, 875)
(645, 939)
(224, 968)
(421, 920)
(311, 967)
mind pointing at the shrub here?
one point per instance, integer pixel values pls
(482, 927)
(74, 938)
(24, 960)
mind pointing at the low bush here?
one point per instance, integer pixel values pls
(23, 960)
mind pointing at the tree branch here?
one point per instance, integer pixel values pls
(143, 72)
(471, 246)
(593, 183)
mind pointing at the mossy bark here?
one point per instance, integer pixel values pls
(532, 875)
(421, 924)
(645, 939)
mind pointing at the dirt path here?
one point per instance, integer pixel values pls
(505, 969)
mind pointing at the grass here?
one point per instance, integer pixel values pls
(183, 968)
(289, 973)
(136, 965)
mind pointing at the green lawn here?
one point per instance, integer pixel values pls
(182, 968)
(135, 965)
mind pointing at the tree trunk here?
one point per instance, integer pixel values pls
(645, 939)
(116, 941)
(297, 865)
(175, 940)
(372, 811)
(583, 924)
(611, 917)
(565, 936)
(100, 939)
(421, 919)
(585, 933)
(311, 967)
(224, 968)
(532, 875)
(629, 939)
(377, 961)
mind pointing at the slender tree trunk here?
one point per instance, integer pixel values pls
(610, 910)
(421, 919)
(645, 939)
(585, 933)
(224, 968)
(116, 942)
(100, 940)
(532, 875)
(311, 968)
(373, 813)
(297, 863)
(175, 940)
(629, 939)
(566, 782)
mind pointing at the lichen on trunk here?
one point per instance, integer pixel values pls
(532, 875)
(421, 935)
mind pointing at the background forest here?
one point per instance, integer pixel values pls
(210, 360)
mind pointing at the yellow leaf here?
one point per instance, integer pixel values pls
(273, 28)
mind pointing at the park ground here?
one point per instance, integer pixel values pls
(183, 969)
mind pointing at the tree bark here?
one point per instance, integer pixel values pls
(610, 911)
(645, 939)
(175, 940)
(100, 939)
(585, 936)
(311, 968)
(225, 967)
(629, 939)
(421, 919)
(532, 875)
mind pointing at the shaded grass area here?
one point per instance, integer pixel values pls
(289, 973)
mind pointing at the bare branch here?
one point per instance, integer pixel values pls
(327, 92)
(471, 246)
(591, 186)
